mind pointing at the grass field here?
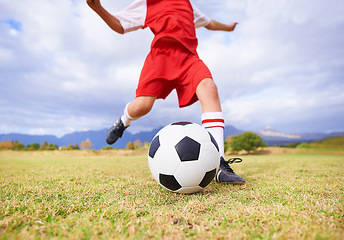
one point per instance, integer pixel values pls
(94, 195)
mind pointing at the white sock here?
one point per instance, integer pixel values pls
(126, 119)
(214, 123)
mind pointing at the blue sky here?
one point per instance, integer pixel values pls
(63, 70)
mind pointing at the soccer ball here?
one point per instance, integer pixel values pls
(183, 157)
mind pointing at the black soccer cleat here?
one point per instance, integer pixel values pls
(225, 174)
(115, 132)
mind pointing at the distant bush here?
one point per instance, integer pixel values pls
(227, 147)
(6, 145)
(248, 141)
(32, 147)
(70, 147)
(303, 146)
(46, 146)
(87, 144)
(137, 144)
(291, 145)
(145, 146)
(131, 146)
(107, 148)
(19, 146)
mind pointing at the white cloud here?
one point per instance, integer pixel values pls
(281, 65)
(63, 69)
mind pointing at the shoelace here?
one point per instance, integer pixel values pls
(233, 160)
(230, 161)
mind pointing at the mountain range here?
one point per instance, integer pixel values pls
(271, 136)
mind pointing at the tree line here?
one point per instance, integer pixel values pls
(15, 145)
(87, 144)
(248, 141)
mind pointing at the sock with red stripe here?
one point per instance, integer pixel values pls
(214, 123)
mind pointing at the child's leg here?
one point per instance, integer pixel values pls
(136, 109)
(133, 111)
(208, 96)
(140, 106)
(213, 121)
(212, 116)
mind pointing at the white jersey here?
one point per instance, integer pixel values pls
(133, 17)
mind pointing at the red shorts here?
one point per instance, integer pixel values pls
(168, 66)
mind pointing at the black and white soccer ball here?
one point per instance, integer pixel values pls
(183, 157)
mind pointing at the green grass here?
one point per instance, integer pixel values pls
(331, 143)
(92, 195)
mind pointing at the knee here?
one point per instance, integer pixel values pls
(140, 107)
(208, 96)
(207, 88)
(212, 88)
(143, 107)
